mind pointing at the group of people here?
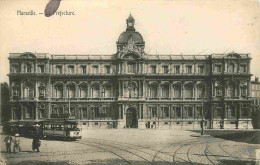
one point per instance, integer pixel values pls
(36, 143)
(16, 143)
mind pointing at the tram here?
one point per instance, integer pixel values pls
(61, 128)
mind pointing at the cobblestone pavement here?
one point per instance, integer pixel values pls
(135, 147)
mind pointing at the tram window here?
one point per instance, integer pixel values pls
(84, 123)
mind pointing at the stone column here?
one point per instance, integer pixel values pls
(171, 92)
(49, 111)
(248, 88)
(21, 95)
(36, 111)
(182, 90)
(101, 90)
(76, 91)
(36, 90)
(89, 91)
(22, 111)
(159, 91)
(12, 112)
(194, 91)
(65, 95)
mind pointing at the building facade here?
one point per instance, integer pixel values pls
(132, 89)
(255, 88)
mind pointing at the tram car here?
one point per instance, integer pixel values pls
(61, 128)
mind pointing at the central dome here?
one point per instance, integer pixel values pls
(130, 33)
(125, 36)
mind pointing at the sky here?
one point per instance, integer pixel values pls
(167, 26)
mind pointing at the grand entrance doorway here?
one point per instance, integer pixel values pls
(131, 118)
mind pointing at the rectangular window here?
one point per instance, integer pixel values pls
(28, 113)
(218, 68)
(165, 69)
(231, 68)
(218, 91)
(243, 68)
(177, 69)
(84, 113)
(130, 68)
(83, 69)
(189, 69)
(153, 69)
(178, 112)
(40, 113)
(41, 68)
(107, 69)
(28, 68)
(16, 69)
(72, 111)
(153, 111)
(95, 69)
(71, 69)
(189, 111)
(165, 111)
(59, 69)
(96, 112)
(201, 69)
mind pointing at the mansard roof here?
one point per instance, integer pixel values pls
(28, 55)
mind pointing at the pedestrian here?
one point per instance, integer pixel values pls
(8, 143)
(202, 126)
(36, 143)
(16, 142)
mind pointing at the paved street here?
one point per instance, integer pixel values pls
(133, 146)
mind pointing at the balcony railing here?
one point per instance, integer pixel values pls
(85, 99)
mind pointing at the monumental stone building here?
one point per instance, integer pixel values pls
(132, 89)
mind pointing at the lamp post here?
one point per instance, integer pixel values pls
(202, 118)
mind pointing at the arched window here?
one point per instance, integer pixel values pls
(231, 89)
(41, 91)
(28, 112)
(59, 91)
(243, 89)
(28, 68)
(95, 90)
(107, 91)
(189, 90)
(200, 90)
(28, 91)
(177, 90)
(15, 91)
(231, 111)
(71, 91)
(131, 68)
(231, 68)
(83, 91)
(165, 90)
(153, 90)
(134, 90)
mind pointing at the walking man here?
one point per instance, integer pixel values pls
(36, 144)
(8, 143)
(202, 126)
(16, 142)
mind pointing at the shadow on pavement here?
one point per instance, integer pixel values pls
(251, 137)
(103, 162)
(237, 162)
(36, 162)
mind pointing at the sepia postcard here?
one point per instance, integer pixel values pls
(130, 82)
